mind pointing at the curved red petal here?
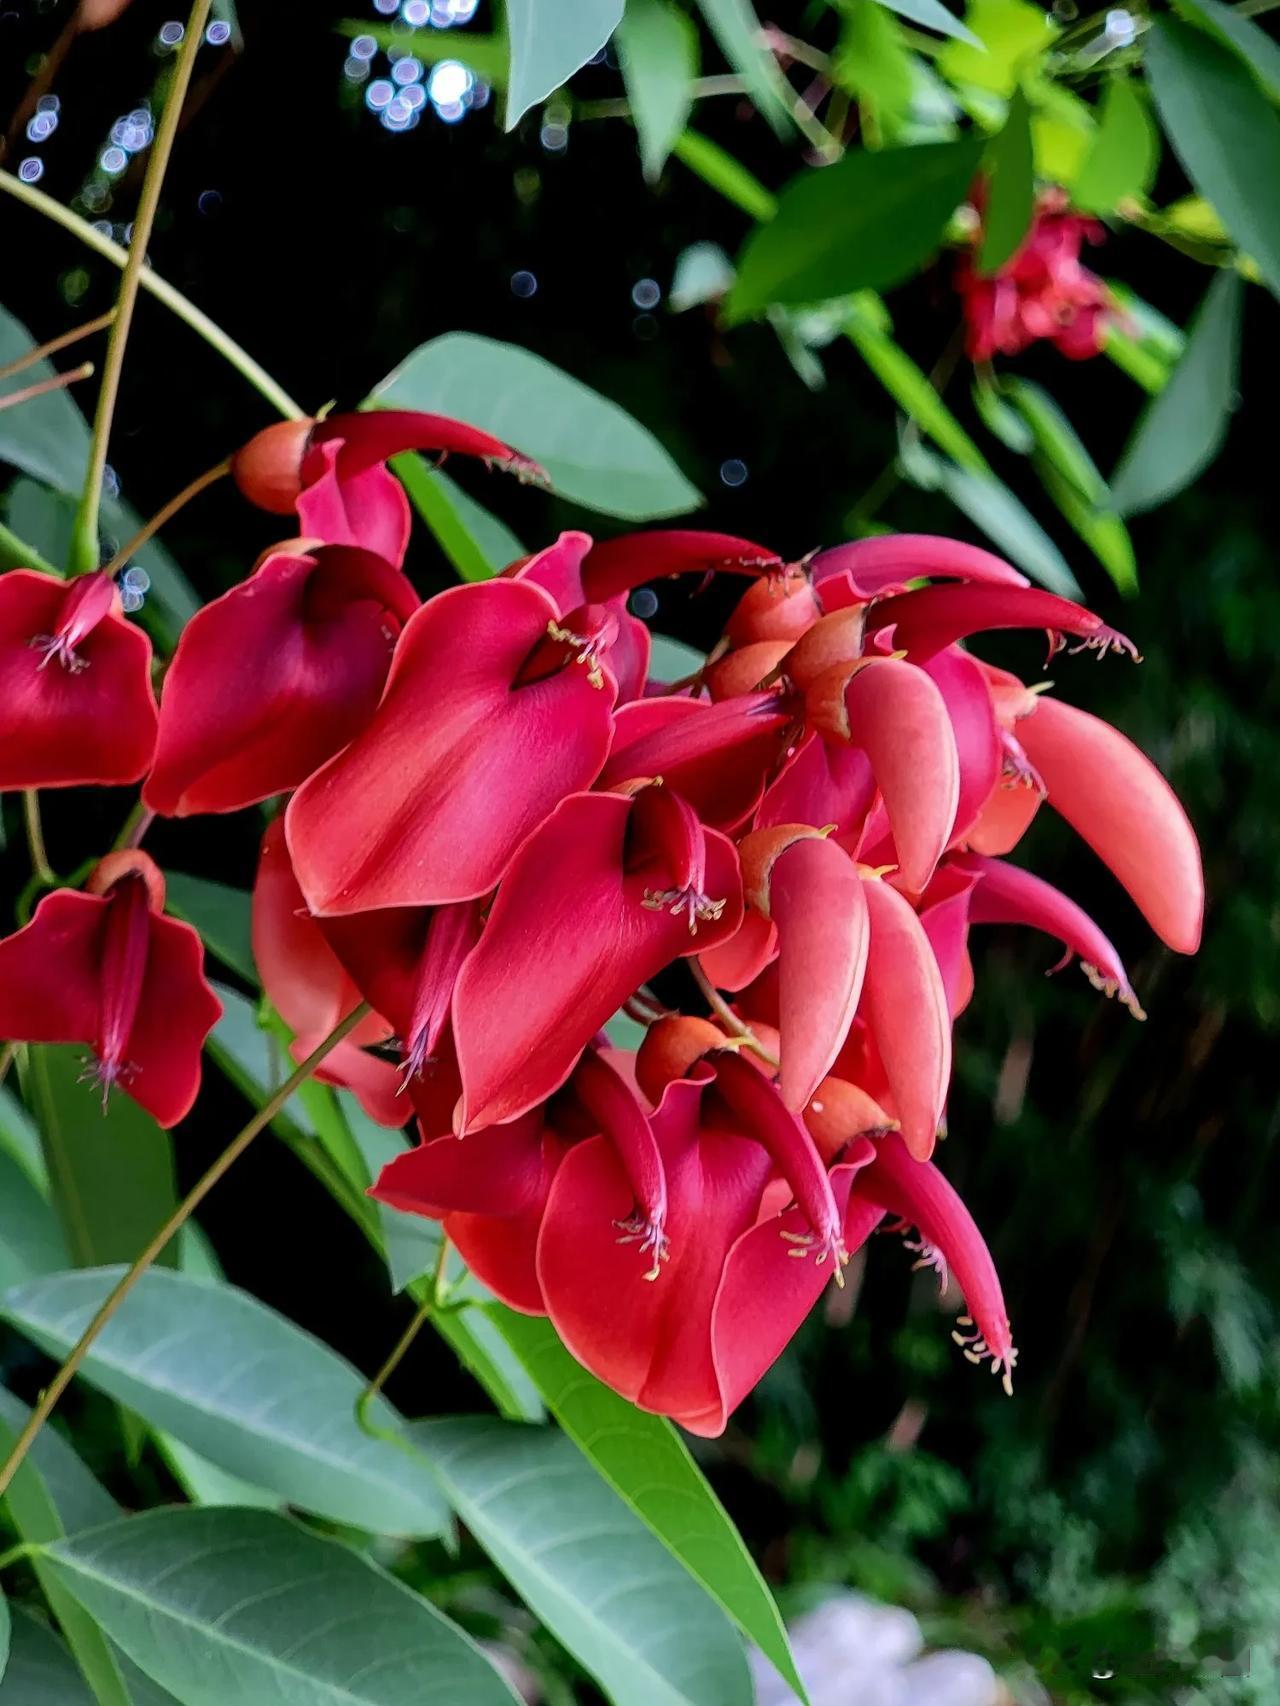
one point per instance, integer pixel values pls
(176, 1011)
(905, 1005)
(615, 566)
(1114, 797)
(345, 505)
(715, 756)
(51, 972)
(869, 568)
(979, 751)
(926, 621)
(429, 803)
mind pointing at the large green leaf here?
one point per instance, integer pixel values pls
(1182, 429)
(411, 1241)
(549, 40)
(475, 541)
(224, 1606)
(1225, 132)
(53, 1494)
(594, 452)
(1004, 518)
(645, 1461)
(5, 1634)
(31, 1240)
(242, 1386)
(1250, 40)
(20, 1138)
(1011, 188)
(220, 914)
(659, 51)
(736, 27)
(867, 222)
(40, 1671)
(586, 1566)
(1124, 154)
(111, 1173)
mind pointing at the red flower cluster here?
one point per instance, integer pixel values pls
(500, 832)
(1041, 292)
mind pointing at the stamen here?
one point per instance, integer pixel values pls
(977, 1351)
(1108, 640)
(107, 1073)
(831, 1248)
(587, 649)
(640, 1228)
(929, 1256)
(416, 1060)
(1017, 770)
(1113, 990)
(58, 646)
(700, 909)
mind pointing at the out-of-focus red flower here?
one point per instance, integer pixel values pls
(108, 969)
(1043, 291)
(75, 684)
(276, 676)
(333, 472)
(308, 986)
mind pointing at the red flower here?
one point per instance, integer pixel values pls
(107, 968)
(75, 681)
(1042, 292)
(306, 983)
(496, 707)
(333, 472)
(275, 676)
(606, 893)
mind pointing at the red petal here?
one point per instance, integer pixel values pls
(86, 715)
(176, 1012)
(502, 1251)
(905, 1005)
(869, 568)
(977, 734)
(944, 917)
(928, 620)
(1114, 797)
(817, 903)
(822, 783)
(375, 435)
(617, 565)
(50, 972)
(459, 764)
(366, 507)
(714, 756)
(274, 677)
(495, 1172)
(557, 570)
(569, 939)
(735, 963)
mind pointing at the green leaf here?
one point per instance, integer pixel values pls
(658, 46)
(6, 1631)
(991, 506)
(726, 176)
(933, 15)
(1183, 428)
(20, 1139)
(1011, 35)
(671, 660)
(40, 1671)
(474, 540)
(223, 1606)
(1124, 154)
(1223, 130)
(242, 1386)
(1250, 41)
(51, 1494)
(549, 40)
(111, 1174)
(586, 1566)
(869, 221)
(1072, 479)
(872, 63)
(908, 385)
(999, 419)
(221, 915)
(595, 453)
(411, 1241)
(31, 1240)
(204, 1483)
(738, 31)
(645, 1461)
(1011, 189)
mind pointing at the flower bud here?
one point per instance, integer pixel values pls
(268, 469)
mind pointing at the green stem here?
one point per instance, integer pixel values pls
(84, 534)
(364, 1403)
(35, 839)
(174, 1224)
(15, 553)
(161, 289)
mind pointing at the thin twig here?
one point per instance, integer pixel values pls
(35, 839)
(41, 388)
(174, 1224)
(41, 352)
(166, 513)
(726, 1015)
(84, 536)
(364, 1403)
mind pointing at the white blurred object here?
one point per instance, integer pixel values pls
(853, 1651)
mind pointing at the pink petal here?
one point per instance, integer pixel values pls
(905, 1005)
(617, 565)
(928, 620)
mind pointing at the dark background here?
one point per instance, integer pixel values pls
(1124, 1174)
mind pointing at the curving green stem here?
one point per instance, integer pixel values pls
(160, 288)
(84, 533)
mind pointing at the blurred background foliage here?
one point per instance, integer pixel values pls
(1113, 1533)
